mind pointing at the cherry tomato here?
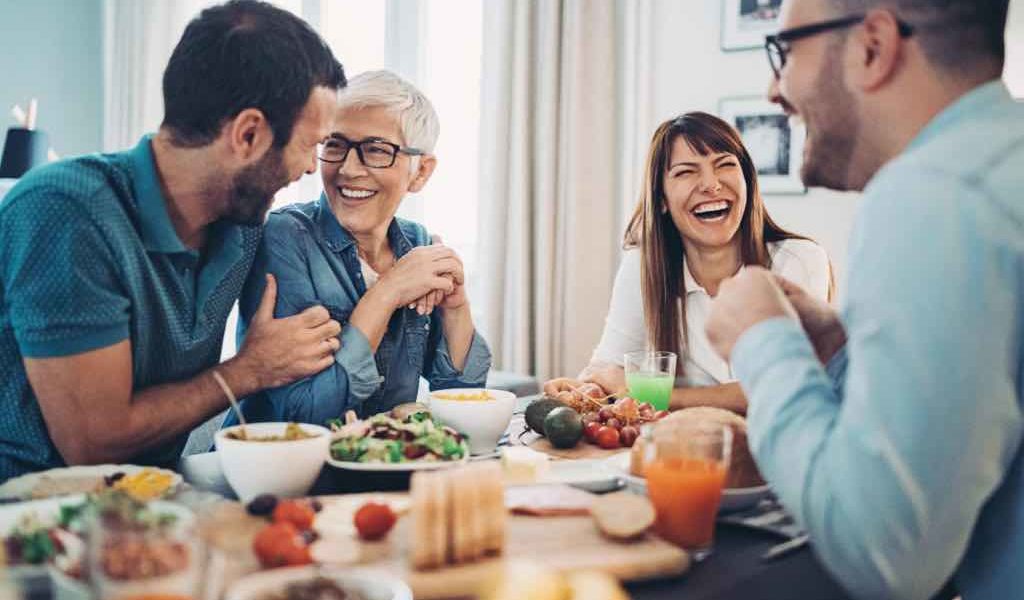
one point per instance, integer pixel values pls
(297, 512)
(590, 430)
(613, 422)
(279, 545)
(608, 438)
(628, 435)
(373, 521)
(605, 413)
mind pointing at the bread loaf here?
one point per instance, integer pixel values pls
(742, 468)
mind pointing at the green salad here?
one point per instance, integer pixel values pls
(383, 438)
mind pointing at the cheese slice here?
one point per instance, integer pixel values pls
(523, 465)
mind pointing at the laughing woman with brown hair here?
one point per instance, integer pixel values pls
(700, 219)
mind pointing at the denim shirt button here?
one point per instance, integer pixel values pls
(426, 325)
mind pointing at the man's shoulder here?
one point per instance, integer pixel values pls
(94, 184)
(987, 146)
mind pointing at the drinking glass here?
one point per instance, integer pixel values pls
(685, 464)
(650, 377)
(148, 552)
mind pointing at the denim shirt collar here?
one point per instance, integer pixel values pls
(338, 239)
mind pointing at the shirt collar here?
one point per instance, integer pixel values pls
(339, 239)
(976, 101)
(156, 230)
(690, 283)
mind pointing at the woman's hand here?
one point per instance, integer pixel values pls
(453, 300)
(611, 378)
(421, 271)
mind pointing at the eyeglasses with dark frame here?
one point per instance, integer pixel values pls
(778, 45)
(374, 153)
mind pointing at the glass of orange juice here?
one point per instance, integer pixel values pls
(685, 465)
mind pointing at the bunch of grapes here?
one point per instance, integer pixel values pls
(618, 425)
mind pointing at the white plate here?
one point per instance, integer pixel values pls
(588, 474)
(47, 510)
(21, 487)
(370, 585)
(733, 499)
(406, 467)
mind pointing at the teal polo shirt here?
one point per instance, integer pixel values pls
(88, 258)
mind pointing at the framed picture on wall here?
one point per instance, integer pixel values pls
(774, 143)
(746, 22)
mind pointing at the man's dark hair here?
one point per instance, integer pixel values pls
(239, 55)
(955, 35)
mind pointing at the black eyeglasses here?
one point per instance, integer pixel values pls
(374, 152)
(777, 46)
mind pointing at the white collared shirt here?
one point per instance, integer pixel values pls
(801, 261)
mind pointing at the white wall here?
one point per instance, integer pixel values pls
(1014, 73)
(693, 73)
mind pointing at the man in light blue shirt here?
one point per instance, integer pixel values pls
(893, 432)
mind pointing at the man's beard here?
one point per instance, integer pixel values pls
(832, 128)
(253, 188)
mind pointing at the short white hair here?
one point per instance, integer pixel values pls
(416, 116)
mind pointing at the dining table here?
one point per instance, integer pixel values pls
(736, 569)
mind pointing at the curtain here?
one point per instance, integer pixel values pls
(139, 39)
(557, 152)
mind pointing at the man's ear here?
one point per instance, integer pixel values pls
(248, 135)
(875, 51)
(428, 162)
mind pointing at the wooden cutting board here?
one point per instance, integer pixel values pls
(540, 443)
(579, 451)
(564, 543)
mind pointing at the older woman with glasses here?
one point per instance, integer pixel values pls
(401, 300)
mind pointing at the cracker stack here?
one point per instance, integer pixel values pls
(458, 515)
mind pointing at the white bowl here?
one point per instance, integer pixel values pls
(482, 421)
(369, 585)
(282, 468)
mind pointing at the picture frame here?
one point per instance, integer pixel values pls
(745, 23)
(775, 143)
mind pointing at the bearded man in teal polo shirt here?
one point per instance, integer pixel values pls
(118, 271)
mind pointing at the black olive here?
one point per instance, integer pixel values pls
(113, 478)
(309, 536)
(316, 505)
(262, 505)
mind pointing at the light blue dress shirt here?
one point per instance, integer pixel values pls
(903, 459)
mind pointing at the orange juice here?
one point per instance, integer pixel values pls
(685, 493)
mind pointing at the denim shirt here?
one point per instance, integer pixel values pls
(315, 262)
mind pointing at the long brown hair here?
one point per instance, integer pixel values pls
(661, 246)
